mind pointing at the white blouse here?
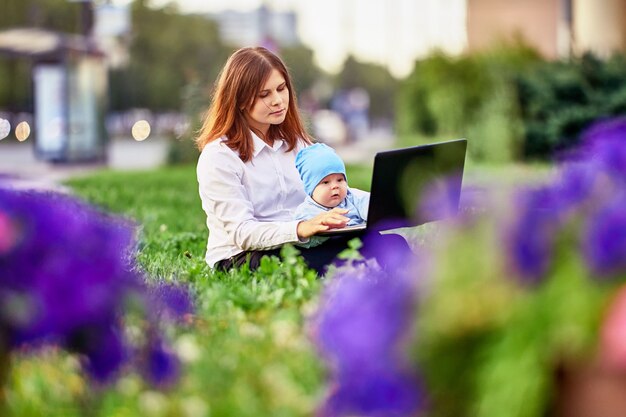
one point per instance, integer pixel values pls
(251, 205)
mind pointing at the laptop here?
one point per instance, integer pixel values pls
(401, 178)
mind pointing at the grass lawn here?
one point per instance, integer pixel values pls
(245, 353)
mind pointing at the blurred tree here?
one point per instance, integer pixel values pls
(448, 89)
(15, 77)
(299, 60)
(15, 85)
(167, 49)
(60, 15)
(470, 96)
(376, 80)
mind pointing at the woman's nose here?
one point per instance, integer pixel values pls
(276, 99)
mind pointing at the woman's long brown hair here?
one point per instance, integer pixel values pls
(237, 87)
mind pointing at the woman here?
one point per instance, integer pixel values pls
(249, 185)
(248, 182)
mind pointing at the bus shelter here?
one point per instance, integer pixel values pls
(69, 78)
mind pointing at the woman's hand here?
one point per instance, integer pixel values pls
(331, 219)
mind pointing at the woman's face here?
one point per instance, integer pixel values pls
(270, 105)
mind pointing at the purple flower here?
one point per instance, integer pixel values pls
(604, 241)
(70, 263)
(361, 329)
(390, 250)
(441, 200)
(8, 234)
(574, 186)
(606, 143)
(67, 276)
(364, 319)
(529, 239)
(103, 349)
(170, 300)
(385, 392)
(162, 366)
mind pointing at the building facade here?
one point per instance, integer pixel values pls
(257, 27)
(556, 28)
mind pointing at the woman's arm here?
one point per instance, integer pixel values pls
(228, 206)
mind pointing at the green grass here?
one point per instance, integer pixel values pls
(247, 350)
(166, 207)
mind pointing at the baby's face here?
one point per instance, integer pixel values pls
(331, 190)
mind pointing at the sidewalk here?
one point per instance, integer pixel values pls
(18, 160)
(364, 150)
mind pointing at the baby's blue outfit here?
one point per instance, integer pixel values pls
(356, 201)
(314, 163)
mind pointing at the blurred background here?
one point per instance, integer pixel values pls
(123, 84)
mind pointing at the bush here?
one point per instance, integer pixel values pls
(469, 96)
(557, 100)
(182, 150)
(509, 103)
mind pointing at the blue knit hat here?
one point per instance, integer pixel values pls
(317, 161)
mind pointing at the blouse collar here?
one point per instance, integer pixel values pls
(259, 144)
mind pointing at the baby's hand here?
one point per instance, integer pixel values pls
(332, 219)
(335, 218)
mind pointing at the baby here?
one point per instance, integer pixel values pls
(325, 183)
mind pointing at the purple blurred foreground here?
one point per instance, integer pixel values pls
(366, 317)
(68, 277)
(590, 189)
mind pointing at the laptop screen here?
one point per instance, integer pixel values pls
(404, 180)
